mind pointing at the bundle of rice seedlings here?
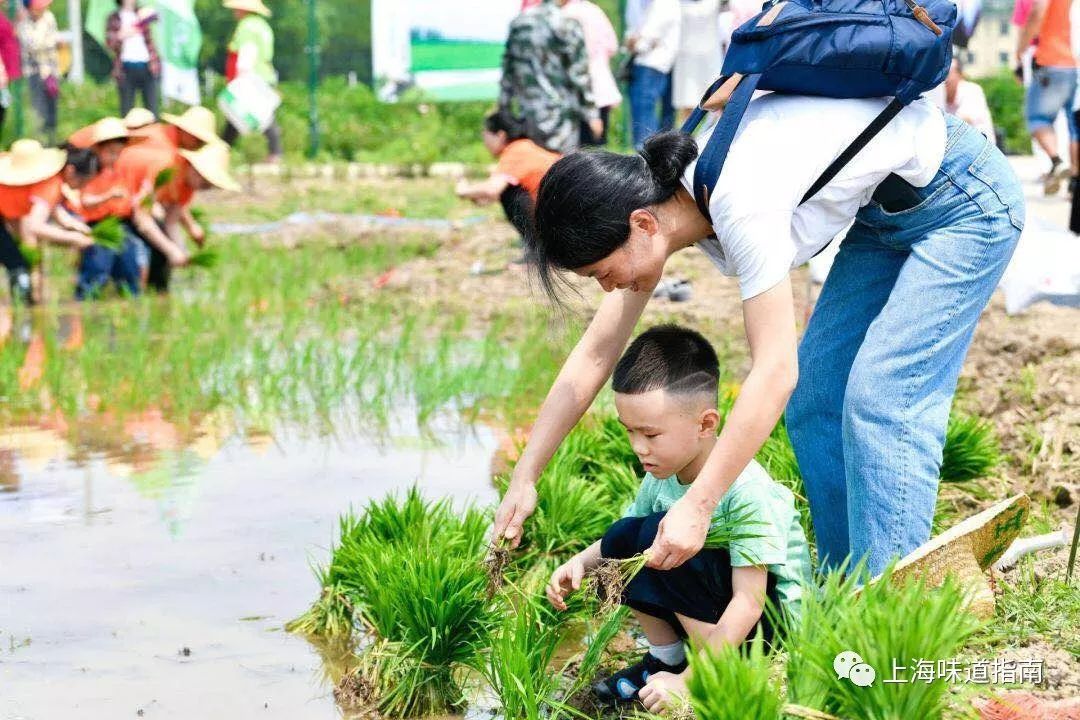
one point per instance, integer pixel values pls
(572, 512)
(971, 449)
(164, 177)
(205, 259)
(109, 234)
(429, 610)
(519, 661)
(884, 623)
(330, 617)
(733, 683)
(409, 521)
(32, 255)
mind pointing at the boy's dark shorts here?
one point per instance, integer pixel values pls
(700, 588)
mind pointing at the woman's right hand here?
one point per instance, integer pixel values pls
(517, 505)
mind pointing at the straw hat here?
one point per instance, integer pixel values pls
(212, 162)
(197, 121)
(965, 551)
(110, 128)
(29, 163)
(139, 117)
(255, 6)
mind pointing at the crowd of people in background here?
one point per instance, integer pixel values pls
(30, 49)
(137, 175)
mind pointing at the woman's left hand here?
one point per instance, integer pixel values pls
(664, 691)
(681, 534)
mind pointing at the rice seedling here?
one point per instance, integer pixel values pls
(582, 671)
(109, 234)
(519, 661)
(734, 683)
(889, 625)
(1073, 548)
(205, 259)
(971, 449)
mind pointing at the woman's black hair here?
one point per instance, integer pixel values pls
(585, 200)
(503, 121)
(83, 160)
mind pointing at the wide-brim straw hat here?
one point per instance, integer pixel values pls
(965, 551)
(197, 121)
(212, 162)
(139, 117)
(255, 6)
(111, 128)
(28, 163)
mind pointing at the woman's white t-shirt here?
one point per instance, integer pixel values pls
(782, 146)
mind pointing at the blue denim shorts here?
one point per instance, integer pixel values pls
(1052, 90)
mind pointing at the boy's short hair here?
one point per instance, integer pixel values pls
(503, 121)
(671, 358)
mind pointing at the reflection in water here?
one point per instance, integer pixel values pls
(146, 537)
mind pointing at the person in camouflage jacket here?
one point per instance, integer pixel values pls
(545, 78)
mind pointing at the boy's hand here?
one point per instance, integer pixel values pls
(566, 577)
(664, 691)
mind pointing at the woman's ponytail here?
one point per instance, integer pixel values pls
(668, 154)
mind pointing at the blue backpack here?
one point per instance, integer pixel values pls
(829, 48)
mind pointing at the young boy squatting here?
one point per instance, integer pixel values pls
(666, 388)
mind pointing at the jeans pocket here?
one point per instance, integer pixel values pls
(993, 171)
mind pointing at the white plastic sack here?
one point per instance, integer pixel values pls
(1045, 266)
(249, 103)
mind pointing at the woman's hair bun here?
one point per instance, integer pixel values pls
(668, 154)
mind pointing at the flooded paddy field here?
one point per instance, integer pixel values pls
(172, 470)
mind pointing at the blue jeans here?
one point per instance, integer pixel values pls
(881, 355)
(648, 89)
(99, 265)
(1052, 90)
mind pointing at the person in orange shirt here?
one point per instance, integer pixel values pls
(1053, 85)
(193, 170)
(118, 190)
(30, 189)
(516, 178)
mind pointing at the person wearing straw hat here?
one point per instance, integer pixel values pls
(30, 189)
(251, 50)
(191, 171)
(188, 131)
(160, 152)
(118, 191)
(139, 118)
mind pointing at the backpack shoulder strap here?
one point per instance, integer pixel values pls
(864, 138)
(711, 160)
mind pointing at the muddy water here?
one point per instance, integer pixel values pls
(163, 588)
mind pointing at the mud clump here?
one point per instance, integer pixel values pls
(355, 692)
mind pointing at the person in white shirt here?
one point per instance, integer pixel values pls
(601, 43)
(653, 39)
(967, 101)
(937, 213)
(700, 53)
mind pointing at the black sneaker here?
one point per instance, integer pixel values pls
(623, 686)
